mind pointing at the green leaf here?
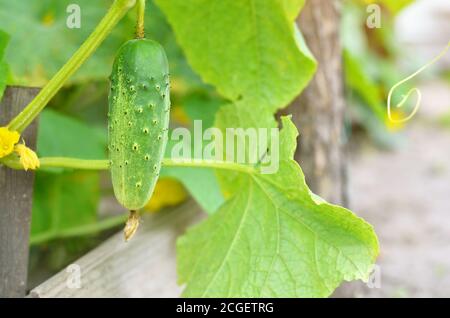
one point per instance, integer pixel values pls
(41, 42)
(357, 79)
(444, 120)
(272, 239)
(63, 136)
(62, 202)
(292, 7)
(4, 39)
(246, 49)
(201, 183)
(240, 114)
(201, 106)
(4, 70)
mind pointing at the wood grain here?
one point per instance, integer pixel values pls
(16, 195)
(143, 267)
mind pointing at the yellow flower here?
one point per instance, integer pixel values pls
(7, 141)
(28, 157)
(168, 192)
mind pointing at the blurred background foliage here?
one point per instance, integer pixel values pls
(370, 62)
(35, 42)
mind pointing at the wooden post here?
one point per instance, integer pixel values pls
(16, 194)
(319, 111)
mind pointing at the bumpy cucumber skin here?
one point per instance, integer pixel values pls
(138, 120)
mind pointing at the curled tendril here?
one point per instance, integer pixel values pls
(411, 91)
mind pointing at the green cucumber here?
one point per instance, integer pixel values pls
(138, 120)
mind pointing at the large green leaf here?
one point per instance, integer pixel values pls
(246, 49)
(272, 238)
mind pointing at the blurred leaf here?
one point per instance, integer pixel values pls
(376, 129)
(41, 42)
(198, 105)
(201, 183)
(394, 6)
(60, 135)
(178, 116)
(62, 202)
(362, 85)
(87, 102)
(202, 106)
(371, 70)
(353, 29)
(444, 120)
(4, 71)
(4, 38)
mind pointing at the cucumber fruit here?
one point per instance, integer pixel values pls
(138, 120)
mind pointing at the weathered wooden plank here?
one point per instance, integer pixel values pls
(143, 267)
(16, 191)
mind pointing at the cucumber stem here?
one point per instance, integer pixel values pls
(112, 17)
(140, 28)
(131, 225)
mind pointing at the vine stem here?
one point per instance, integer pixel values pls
(411, 91)
(112, 17)
(73, 163)
(140, 29)
(80, 230)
